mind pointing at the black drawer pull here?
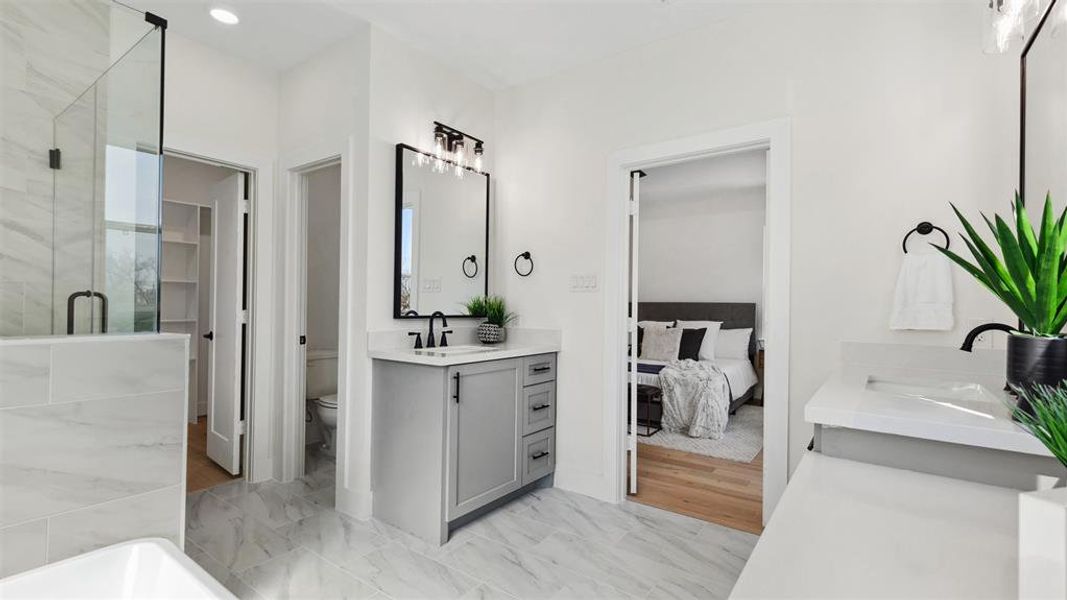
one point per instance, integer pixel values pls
(542, 369)
(540, 407)
(540, 454)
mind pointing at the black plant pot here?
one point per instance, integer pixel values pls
(1036, 361)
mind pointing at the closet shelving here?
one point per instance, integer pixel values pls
(180, 300)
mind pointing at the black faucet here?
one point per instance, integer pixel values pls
(431, 342)
(968, 342)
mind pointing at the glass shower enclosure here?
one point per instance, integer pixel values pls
(105, 160)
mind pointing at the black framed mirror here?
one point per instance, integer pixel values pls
(442, 235)
(1043, 117)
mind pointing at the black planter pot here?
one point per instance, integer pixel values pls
(1036, 361)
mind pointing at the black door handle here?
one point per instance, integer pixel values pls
(209, 336)
(456, 396)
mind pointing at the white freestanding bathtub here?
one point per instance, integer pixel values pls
(148, 568)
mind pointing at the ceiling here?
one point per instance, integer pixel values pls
(497, 43)
(705, 177)
(275, 35)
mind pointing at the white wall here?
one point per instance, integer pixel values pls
(323, 114)
(702, 233)
(895, 111)
(409, 91)
(357, 100)
(225, 109)
(216, 105)
(323, 256)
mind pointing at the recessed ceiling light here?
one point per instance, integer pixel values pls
(224, 16)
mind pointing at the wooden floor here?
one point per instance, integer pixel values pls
(202, 472)
(712, 489)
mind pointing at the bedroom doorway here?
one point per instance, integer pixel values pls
(702, 243)
(695, 395)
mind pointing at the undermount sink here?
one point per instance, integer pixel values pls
(969, 397)
(451, 350)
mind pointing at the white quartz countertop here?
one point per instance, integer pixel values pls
(459, 355)
(846, 529)
(945, 407)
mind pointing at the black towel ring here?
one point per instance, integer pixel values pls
(472, 259)
(527, 256)
(924, 228)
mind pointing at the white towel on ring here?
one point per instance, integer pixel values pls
(923, 298)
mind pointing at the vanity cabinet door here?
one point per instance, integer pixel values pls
(484, 434)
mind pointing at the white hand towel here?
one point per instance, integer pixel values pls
(923, 299)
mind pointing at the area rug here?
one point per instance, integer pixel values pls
(741, 442)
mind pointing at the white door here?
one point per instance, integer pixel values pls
(227, 319)
(631, 323)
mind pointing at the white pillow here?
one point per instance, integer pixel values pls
(655, 324)
(707, 347)
(733, 343)
(661, 344)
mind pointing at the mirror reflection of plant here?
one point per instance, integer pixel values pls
(1048, 421)
(492, 308)
(475, 306)
(1032, 277)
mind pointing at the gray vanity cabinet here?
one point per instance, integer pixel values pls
(450, 440)
(483, 425)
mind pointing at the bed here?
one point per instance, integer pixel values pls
(740, 373)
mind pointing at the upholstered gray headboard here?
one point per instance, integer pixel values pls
(734, 315)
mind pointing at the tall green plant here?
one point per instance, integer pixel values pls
(475, 306)
(1030, 275)
(1047, 418)
(496, 311)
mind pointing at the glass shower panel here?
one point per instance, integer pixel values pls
(72, 217)
(128, 205)
(107, 199)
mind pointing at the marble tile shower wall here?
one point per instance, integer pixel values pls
(50, 52)
(92, 435)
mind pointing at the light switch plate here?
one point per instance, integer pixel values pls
(584, 282)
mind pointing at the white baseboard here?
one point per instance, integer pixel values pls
(355, 504)
(585, 482)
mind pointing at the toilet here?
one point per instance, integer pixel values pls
(321, 389)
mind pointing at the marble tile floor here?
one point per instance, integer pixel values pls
(274, 540)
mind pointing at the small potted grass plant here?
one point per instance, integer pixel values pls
(494, 310)
(1046, 416)
(1030, 277)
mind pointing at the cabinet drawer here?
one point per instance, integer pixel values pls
(539, 403)
(539, 369)
(539, 455)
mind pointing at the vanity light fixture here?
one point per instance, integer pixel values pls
(479, 149)
(224, 16)
(451, 146)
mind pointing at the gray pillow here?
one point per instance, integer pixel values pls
(661, 344)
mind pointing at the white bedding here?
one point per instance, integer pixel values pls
(739, 372)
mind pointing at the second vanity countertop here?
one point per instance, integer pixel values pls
(948, 411)
(955, 399)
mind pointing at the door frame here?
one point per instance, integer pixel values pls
(353, 494)
(775, 136)
(256, 422)
(295, 398)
